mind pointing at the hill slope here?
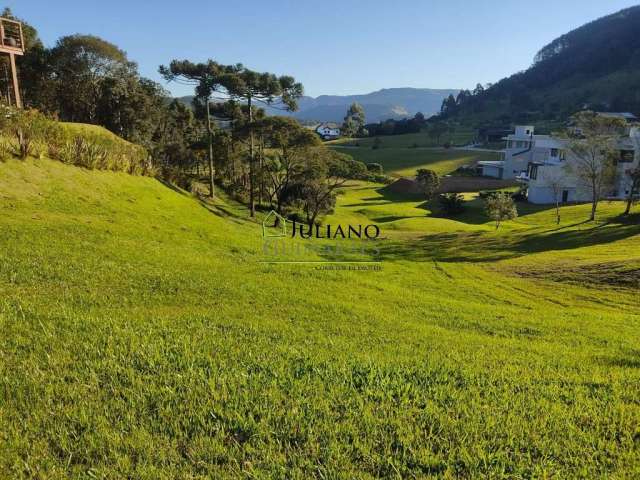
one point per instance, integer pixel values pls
(597, 65)
(142, 337)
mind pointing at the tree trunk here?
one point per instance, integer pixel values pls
(557, 212)
(252, 200)
(260, 171)
(632, 192)
(212, 186)
(594, 201)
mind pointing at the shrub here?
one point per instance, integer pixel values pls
(375, 168)
(484, 194)
(27, 130)
(25, 133)
(451, 203)
(500, 207)
(377, 143)
(376, 178)
(429, 182)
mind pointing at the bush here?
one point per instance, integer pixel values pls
(375, 168)
(484, 194)
(500, 207)
(377, 143)
(376, 178)
(429, 182)
(25, 130)
(25, 133)
(451, 203)
(520, 195)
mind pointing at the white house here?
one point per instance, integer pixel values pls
(546, 166)
(520, 144)
(328, 131)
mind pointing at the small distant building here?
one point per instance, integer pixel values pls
(328, 131)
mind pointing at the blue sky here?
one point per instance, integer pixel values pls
(332, 47)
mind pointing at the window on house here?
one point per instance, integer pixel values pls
(562, 155)
(554, 152)
(627, 156)
(533, 172)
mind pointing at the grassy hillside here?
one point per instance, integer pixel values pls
(143, 337)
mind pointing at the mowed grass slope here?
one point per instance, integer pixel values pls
(142, 337)
(461, 136)
(404, 162)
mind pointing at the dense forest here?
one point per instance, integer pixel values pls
(595, 66)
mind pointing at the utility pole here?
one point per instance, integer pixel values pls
(14, 74)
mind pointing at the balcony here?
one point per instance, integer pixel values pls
(11, 37)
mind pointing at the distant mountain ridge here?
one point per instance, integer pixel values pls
(396, 103)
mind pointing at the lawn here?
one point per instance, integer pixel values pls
(461, 136)
(145, 337)
(403, 162)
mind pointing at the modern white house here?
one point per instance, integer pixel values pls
(328, 131)
(545, 165)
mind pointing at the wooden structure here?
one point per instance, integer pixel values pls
(12, 44)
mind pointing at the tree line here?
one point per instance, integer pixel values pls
(224, 138)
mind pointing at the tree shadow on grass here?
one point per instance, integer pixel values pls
(173, 187)
(394, 218)
(493, 246)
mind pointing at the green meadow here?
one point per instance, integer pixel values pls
(458, 136)
(143, 336)
(404, 162)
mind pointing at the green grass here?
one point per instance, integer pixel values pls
(142, 337)
(461, 136)
(404, 162)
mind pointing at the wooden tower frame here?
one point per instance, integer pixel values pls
(12, 44)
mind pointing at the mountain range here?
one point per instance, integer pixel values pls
(396, 103)
(381, 105)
